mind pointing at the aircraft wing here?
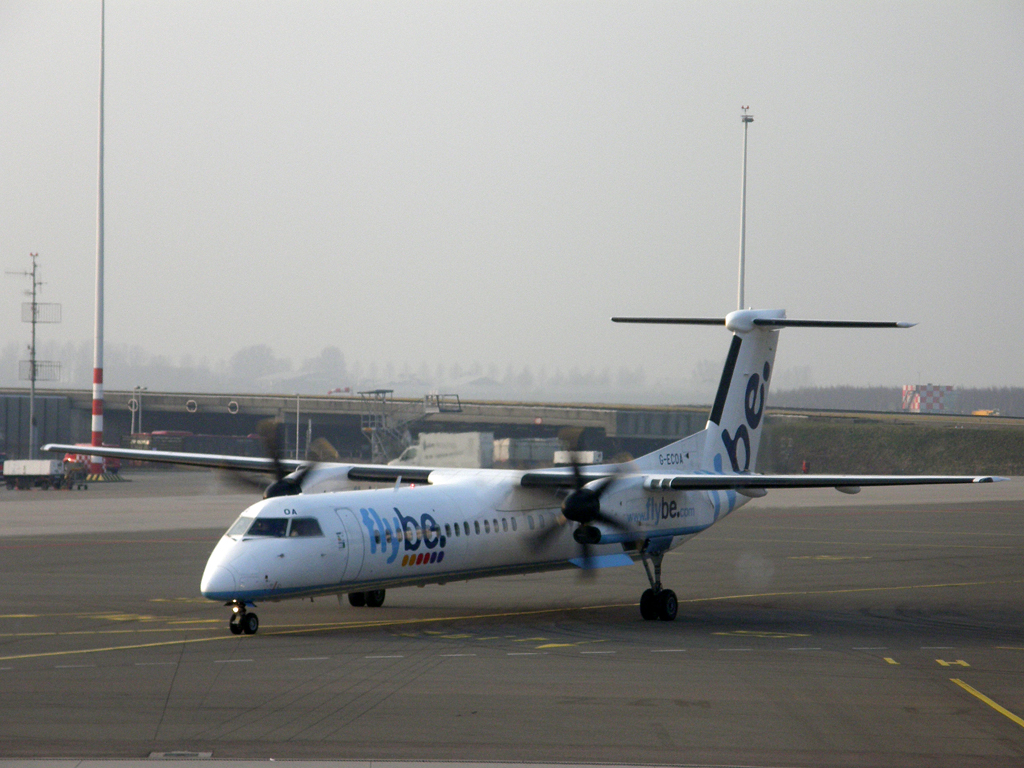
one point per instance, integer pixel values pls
(251, 463)
(563, 478)
(365, 472)
(765, 482)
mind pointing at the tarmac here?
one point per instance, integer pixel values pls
(879, 629)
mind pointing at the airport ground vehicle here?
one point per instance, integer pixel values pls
(449, 449)
(25, 474)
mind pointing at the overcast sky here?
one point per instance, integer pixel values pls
(481, 181)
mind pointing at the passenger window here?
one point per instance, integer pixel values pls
(457, 529)
(513, 524)
(447, 529)
(376, 538)
(540, 519)
(466, 523)
(387, 535)
(476, 524)
(487, 526)
(495, 526)
(504, 525)
(529, 521)
(269, 526)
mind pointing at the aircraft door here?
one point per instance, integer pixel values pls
(350, 544)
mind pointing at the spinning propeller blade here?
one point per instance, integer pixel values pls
(583, 506)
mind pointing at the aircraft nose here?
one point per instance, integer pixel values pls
(218, 583)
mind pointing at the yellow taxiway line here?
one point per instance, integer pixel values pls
(304, 629)
(982, 697)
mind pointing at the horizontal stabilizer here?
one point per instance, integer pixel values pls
(768, 322)
(672, 320)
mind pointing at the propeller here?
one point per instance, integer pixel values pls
(285, 483)
(583, 506)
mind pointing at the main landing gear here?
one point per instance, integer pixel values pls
(242, 622)
(372, 599)
(656, 603)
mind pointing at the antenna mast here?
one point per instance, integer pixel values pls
(32, 369)
(747, 119)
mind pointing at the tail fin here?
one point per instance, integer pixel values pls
(731, 438)
(737, 417)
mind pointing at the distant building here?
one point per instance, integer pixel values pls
(927, 398)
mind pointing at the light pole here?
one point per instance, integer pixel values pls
(747, 120)
(138, 399)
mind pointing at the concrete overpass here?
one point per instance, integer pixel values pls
(65, 413)
(64, 416)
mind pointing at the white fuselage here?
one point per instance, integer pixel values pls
(467, 524)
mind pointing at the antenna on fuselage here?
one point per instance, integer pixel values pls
(746, 119)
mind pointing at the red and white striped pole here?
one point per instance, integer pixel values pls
(96, 462)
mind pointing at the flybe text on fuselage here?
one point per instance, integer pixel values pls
(660, 509)
(393, 531)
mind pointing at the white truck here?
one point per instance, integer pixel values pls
(526, 451)
(579, 457)
(24, 474)
(449, 449)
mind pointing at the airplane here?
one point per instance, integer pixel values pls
(318, 531)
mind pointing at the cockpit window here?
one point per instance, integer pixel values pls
(277, 527)
(240, 526)
(305, 526)
(269, 526)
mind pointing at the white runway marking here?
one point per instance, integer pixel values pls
(669, 650)
(312, 658)
(156, 663)
(383, 657)
(231, 661)
(455, 655)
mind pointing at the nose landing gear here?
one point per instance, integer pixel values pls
(656, 603)
(242, 622)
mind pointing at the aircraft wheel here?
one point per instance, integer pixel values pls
(648, 605)
(667, 605)
(250, 623)
(375, 598)
(357, 599)
(235, 626)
